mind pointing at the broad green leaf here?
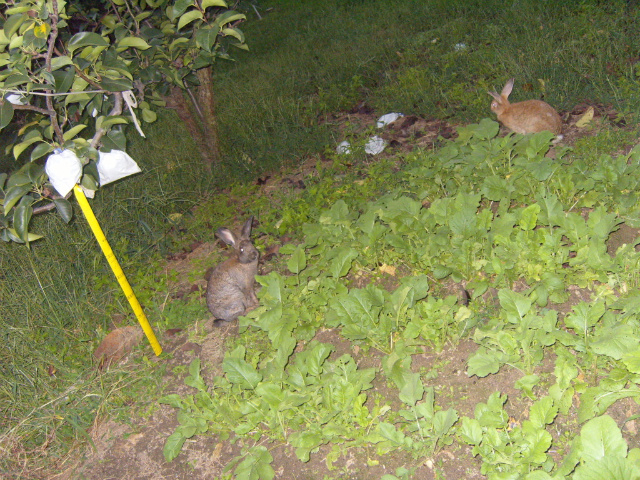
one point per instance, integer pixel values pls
(149, 116)
(601, 438)
(584, 316)
(189, 17)
(206, 37)
(543, 412)
(298, 260)
(86, 39)
(21, 218)
(527, 383)
(233, 32)
(229, 17)
(515, 304)
(59, 62)
(173, 445)
(6, 114)
(413, 389)
(241, 373)
(256, 465)
(615, 341)
(213, 3)
(135, 42)
(116, 84)
(632, 361)
(180, 6)
(15, 194)
(72, 132)
(471, 431)
(341, 263)
(12, 24)
(443, 421)
(529, 217)
(22, 146)
(609, 468)
(41, 150)
(482, 363)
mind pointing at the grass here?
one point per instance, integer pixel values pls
(308, 61)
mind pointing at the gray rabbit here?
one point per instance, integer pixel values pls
(230, 290)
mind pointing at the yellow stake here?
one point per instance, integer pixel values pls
(117, 271)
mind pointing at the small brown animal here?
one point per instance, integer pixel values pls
(530, 116)
(230, 288)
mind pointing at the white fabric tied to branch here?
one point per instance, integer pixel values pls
(115, 165)
(64, 170)
(132, 102)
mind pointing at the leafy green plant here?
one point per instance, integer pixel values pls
(506, 449)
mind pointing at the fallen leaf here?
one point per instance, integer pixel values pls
(585, 119)
(389, 269)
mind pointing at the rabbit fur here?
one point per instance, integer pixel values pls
(230, 289)
(530, 116)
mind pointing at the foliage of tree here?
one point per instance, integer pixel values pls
(74, 74)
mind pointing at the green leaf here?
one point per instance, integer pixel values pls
(135, 42)
(342, 260)
(40, 151)
(229, 17)
(116, 84)
(12, 24)
(256, 465)
(443, 421)
(615, 341)
(72, 132)
(515, 305)
(86, 39)
(529, 217)
(298, 260)
(213, 3)
(149, 116)
(15, 194)
(173, 445)
(189, 17)
(543, 412)
(21, 218)
(59, 62)
(471, 431)
(22, 146)
(609, 468)
(6, 114)
(241, 373)
(482, 363)
(601, 438)
(632, 361)
(180, 6)
(413, 389)
(584, 316)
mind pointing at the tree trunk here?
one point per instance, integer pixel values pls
(198, 114)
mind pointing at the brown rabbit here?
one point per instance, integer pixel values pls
(530, 116)
(230, 289)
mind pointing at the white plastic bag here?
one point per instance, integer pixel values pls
(387, 119)
(115, 165)
(64, 170)
(375, 145)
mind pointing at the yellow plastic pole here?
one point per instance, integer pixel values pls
(117, 271)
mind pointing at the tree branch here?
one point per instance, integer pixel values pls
(116, 110)
(53, 36)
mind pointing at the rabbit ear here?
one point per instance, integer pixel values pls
(494, 95)
(226, 236)
(246, 228)
(506, 91)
